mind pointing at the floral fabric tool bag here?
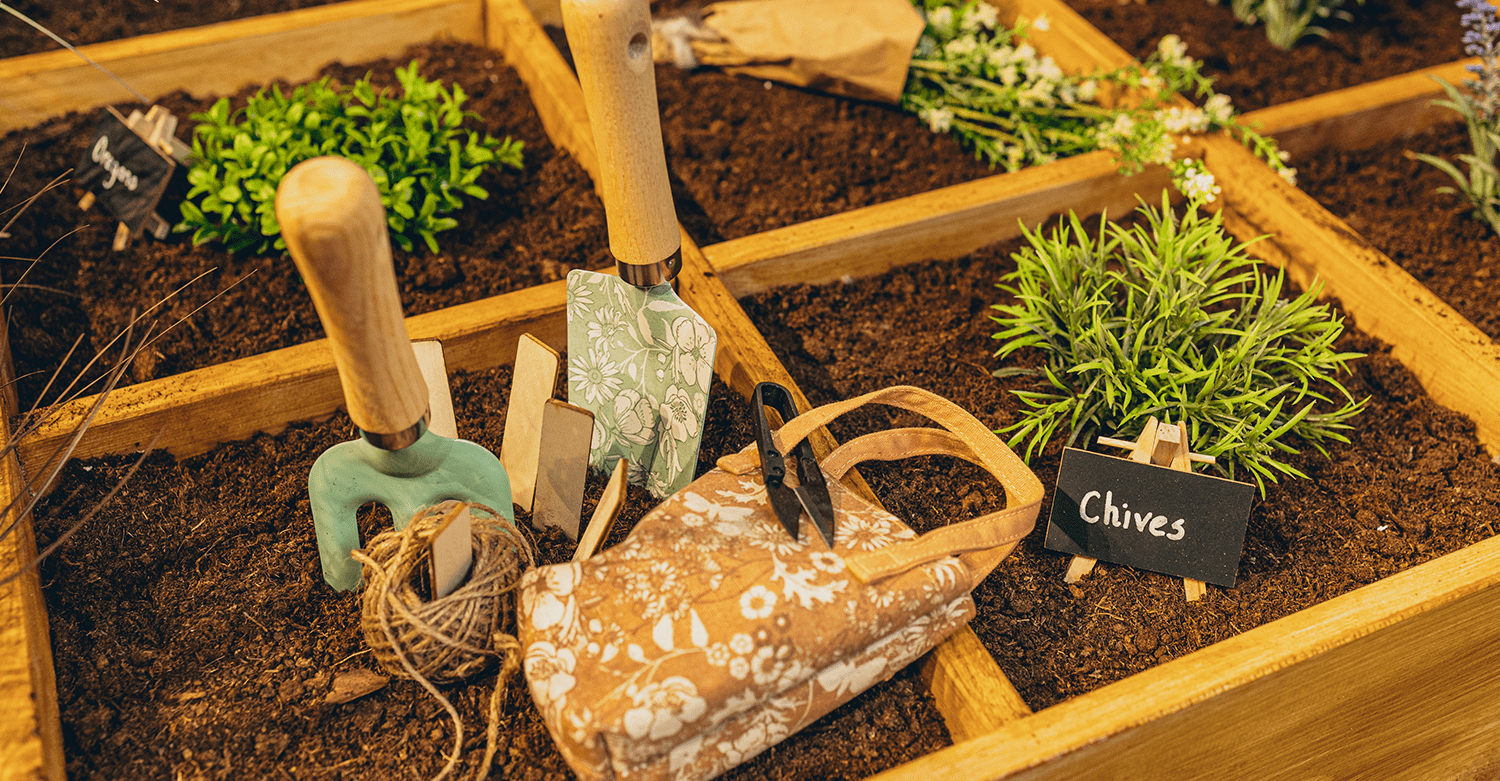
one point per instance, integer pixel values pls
(710, 634)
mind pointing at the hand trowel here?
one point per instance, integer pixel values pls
(638, 357)
(334, 226)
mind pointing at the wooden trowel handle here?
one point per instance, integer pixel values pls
(334, 226)
(611, 43)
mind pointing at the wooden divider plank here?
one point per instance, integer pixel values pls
(196, 410)
(939, 224)
(30, 723)
(222, 58)
(1363, 115)
(1393, 681)
(513, 31)
(1076, 45)
(1457, 364)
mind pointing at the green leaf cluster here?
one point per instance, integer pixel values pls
(413, 145)
(1170, 318)
(1289, 21)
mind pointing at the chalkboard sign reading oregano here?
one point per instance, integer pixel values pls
(126, 174)
(1149, 517)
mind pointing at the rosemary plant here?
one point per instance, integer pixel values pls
(1480, 108)
(413, 145)
(1289, 21)
(981, 80)
(1170, 318)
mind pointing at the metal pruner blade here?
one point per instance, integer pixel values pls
(811, 493)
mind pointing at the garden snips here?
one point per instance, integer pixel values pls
(811, 492)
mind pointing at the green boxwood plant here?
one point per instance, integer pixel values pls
(413, 145)
(1170, 318)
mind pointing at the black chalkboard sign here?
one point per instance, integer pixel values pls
(1149, 517)
(127, 175)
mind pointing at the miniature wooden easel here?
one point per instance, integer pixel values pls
(1162, 444)
(159, 127)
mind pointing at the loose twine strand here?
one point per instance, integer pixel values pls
(453, 637)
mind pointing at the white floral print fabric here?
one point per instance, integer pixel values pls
(709, 634)
(641, 361)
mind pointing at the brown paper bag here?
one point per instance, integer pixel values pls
(859, 48)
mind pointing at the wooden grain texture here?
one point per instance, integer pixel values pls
(611, 44)
(1457, 364)
(1396, 680)
(222, 58)
(199, 409)
(1361, 116)
(1076, 45)
(30, 725)
(334, 226)
(943, 223)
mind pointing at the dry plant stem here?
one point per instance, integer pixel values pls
(453, 637)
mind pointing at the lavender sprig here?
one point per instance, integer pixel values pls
(1480, 108)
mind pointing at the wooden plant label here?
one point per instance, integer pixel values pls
(562, 467)
(532, 384)
(602, 522)
(453, 545)
(124, 172)
(1149, 517)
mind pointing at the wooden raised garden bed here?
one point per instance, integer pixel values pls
(1394, 680)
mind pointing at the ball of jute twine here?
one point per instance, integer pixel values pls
(454, 637)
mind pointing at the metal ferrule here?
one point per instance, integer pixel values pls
(400, 439)
(651, 274)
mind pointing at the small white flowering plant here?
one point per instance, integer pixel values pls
(1169, 317)
(981, 80)
(1480, 108)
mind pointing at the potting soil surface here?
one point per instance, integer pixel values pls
(748, 155)
(1386, 38)
(194, 637)
(1391, 201)
(537, 224)
(1413, 485)
(92, 22)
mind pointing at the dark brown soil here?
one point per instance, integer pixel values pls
(536, 225)
(747, 156)
(1414, 484)
(92, 22)
(1390, 200)
(1387, 37)
(753, 158)
(194, 637)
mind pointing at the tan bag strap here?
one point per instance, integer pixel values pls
(975, 541)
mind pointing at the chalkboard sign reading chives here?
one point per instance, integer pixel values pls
(1149, 517)
(127, 166)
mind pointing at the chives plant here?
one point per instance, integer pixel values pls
(981, 80)
(1478, 107)
(1171, 318)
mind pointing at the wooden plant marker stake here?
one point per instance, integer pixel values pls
(453, 546)
(562, 467)
(605, 513)
(532, 384)
(1162, 444)
(158, 129)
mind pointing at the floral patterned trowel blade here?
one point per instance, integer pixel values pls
(641, 360)
(638, 357)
